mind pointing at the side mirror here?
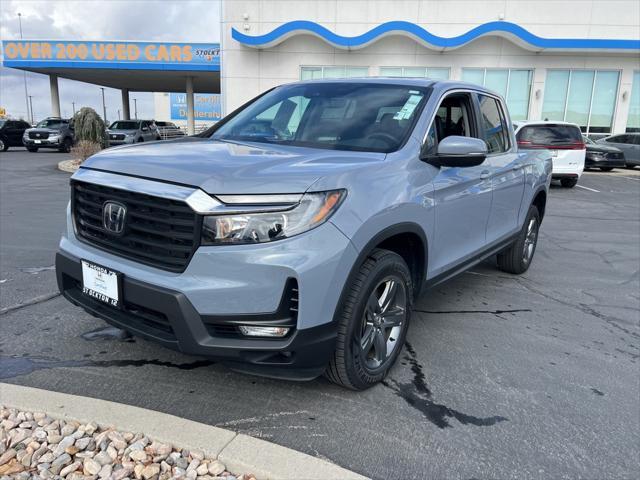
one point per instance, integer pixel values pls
(456, 151)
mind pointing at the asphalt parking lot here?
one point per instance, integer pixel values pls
(502, 377)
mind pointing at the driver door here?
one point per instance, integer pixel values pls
(462, 194)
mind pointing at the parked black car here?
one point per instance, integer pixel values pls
(52, 132)
(604, 157)
(11, 132)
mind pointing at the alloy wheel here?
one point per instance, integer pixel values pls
(383, 320)
(530, 241)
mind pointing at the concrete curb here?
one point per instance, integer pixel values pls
(240, 453)
(68, 166)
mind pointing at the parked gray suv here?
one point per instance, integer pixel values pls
(292, 238)
(52, 132)
(122, 132)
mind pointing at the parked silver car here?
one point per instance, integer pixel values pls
(629, 143)
(169, 130)
(132, 131)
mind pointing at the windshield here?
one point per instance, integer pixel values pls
(165, 124)
(51, 124)
(124, 125)
(340, 116)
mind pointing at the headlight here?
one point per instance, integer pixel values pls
(54, 137)
(313, 210)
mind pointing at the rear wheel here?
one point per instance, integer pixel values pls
(606, 169)
(517, 258)
(568, 182)
(373, 321)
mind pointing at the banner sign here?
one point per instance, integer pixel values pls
(206, 106)
(121, 55)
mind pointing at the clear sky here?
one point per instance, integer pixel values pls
(154, 20)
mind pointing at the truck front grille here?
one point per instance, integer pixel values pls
(38, 135)
(159, 232)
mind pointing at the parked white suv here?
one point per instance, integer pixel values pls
(564, 141)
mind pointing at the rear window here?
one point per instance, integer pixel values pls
(549, 136)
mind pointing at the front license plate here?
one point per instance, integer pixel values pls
(101, 283)
(554, 153)
(37, 141)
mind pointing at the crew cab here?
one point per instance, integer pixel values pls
(292, 238)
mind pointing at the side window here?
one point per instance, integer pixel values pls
(493, 125)
(618, 139)
(453, 117)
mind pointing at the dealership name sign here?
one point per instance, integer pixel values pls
(206, 106)
(127, 55)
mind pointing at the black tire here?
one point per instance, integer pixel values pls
(606, 169)
(4, 146)
(568, 182)
(514, 259)
(350, 367)
(140, 140)
(32, 149)
(66, 146)
(630, 167)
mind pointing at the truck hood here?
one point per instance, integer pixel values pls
(231, 168)
(50, 131)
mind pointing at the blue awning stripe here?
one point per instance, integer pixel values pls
(306, 27)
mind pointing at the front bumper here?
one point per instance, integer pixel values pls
(41, 143)
(600, 161)
(167, 317)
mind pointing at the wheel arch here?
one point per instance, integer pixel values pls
(408, 240)
(540, 201)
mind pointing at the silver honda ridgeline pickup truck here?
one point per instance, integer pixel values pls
(291, 239)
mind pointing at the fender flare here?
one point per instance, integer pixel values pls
(377, 239)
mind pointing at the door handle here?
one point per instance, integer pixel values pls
(484, 174)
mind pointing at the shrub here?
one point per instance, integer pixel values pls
(88, 126)
(83, 149)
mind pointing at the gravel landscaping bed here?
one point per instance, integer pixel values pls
(36, 446)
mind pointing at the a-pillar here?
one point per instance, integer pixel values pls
(55, 96)
(191, 124)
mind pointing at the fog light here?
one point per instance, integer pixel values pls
(263, 331)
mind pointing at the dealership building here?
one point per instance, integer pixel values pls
(571, 60)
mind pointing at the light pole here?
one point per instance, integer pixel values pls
(73, 107)
(135, 108)
(24, 75)
(31, 107)
(118, 114)
(104, 107)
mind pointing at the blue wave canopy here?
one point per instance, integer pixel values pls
(506, 29)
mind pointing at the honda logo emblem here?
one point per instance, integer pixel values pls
(113, 217)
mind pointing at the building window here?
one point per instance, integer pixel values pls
(435, 73)
(633, 120)
(513, 84)
(312, 73)
(584, 97)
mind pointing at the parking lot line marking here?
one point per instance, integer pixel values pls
(590, 189)
(629, 178)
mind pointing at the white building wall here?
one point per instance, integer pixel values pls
(246, 72)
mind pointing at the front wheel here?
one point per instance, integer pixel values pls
(32, 149)
(373, 321)
(568, 182)
(517, 257)
(4, 146)
(66, 146)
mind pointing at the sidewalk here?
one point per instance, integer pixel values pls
(49, 433)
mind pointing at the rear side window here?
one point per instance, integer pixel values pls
(493, 125)
(549, 136)
(620, 139)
